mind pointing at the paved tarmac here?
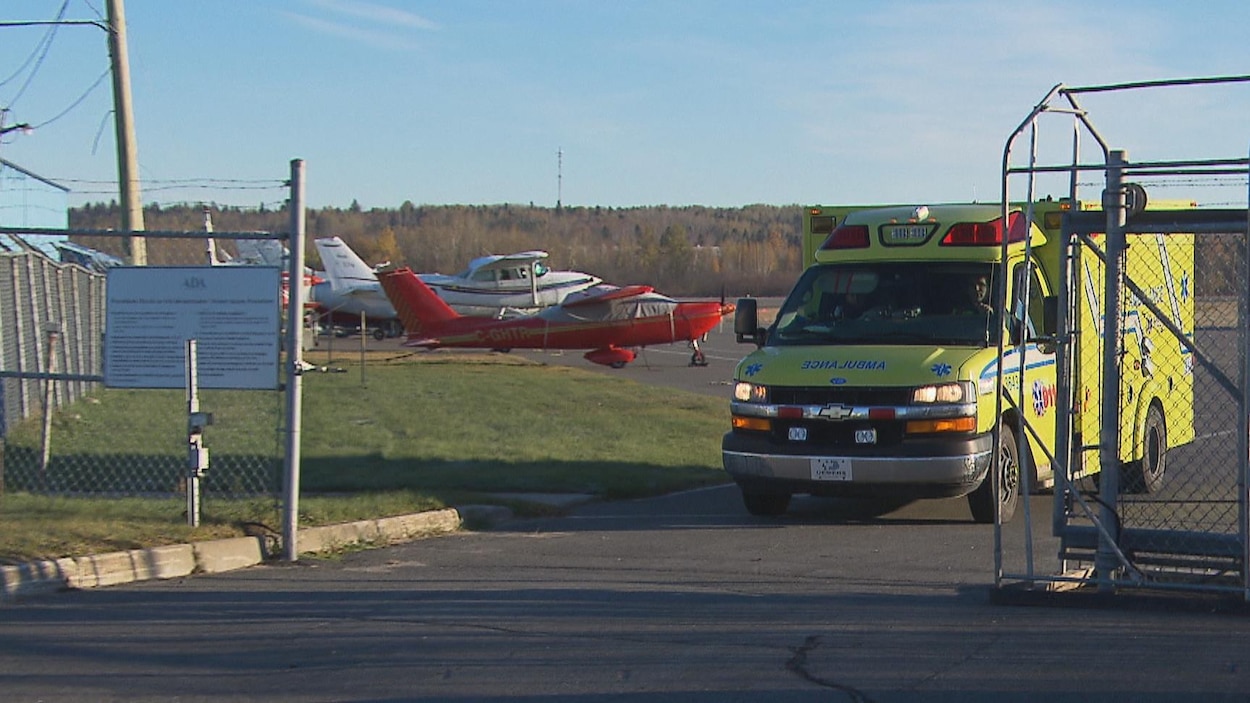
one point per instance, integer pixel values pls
(679, 598)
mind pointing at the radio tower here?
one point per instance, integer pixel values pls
(559, 178)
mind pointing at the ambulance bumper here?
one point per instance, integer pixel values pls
(915, 469)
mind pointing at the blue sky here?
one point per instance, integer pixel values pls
(697, 102)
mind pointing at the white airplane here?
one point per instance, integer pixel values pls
(350, 289)
(507, 285)
(492, 286)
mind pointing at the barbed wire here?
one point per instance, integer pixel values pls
(1192, 181)
(207, 182)
(161, 189)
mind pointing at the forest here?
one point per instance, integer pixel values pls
(682, 251)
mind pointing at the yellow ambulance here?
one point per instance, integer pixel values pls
(878, 377)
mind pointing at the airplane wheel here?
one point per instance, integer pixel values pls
(617, 364)
(698, 359)
(379, 334)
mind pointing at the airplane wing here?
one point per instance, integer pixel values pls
(486, 263)
(604, 294)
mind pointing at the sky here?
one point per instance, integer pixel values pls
(614, 103)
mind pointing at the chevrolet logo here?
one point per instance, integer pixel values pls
(834, 411)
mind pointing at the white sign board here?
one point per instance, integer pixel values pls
(232, 313)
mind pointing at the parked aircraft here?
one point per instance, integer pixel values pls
(350, 289)
(491, 286)
(608, 320)
(259, 252)
(507, 285)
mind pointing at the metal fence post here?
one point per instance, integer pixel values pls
(294, 364)
(1113, 202)
(45, 439)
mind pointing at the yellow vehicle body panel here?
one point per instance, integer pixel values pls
(826, 375)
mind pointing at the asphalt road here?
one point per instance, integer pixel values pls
(681, 598)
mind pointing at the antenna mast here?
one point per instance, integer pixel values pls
(559, 178)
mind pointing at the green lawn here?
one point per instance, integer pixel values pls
(417, 432)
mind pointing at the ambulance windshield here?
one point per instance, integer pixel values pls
(891, 303)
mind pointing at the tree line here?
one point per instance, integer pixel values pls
(683, 251)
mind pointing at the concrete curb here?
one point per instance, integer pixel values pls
(214, 556)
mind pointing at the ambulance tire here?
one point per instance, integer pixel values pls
(982, 500)
(1146, 474)
(763, 504)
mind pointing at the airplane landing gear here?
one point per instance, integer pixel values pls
(697, 358)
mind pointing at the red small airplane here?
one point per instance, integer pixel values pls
(605, 319)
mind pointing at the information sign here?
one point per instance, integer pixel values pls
(233, 313)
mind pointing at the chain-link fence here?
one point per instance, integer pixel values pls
(64, 433)
(1149, 448)
(1171, 514)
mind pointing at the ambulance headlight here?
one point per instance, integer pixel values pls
(750, 392)
(957, 392)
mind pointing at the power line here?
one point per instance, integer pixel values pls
(77, 102)
(41, 51)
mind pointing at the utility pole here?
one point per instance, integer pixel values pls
(123, 118)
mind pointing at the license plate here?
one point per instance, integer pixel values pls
(831, 469)
(907, 234)
(868, 436)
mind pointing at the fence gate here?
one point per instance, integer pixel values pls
(1150, 447)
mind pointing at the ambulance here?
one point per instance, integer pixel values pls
(878, 376)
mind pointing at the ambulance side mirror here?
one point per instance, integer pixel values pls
(746, 322)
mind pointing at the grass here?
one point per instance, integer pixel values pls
(417, 432)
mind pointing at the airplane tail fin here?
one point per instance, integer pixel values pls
(417, 305)
(345, 269)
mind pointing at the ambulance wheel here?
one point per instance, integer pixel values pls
(1146, 474)
(982, 500)
(765, 504)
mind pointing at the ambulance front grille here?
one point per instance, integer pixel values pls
(823, 395)
(825, 433)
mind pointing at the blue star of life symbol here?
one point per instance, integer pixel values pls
(941, 370)
(753, 369)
